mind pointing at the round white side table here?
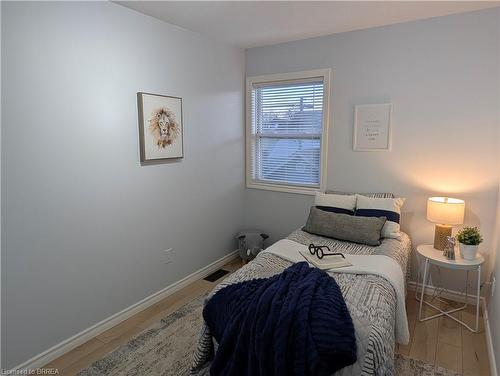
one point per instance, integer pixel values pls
(433, 256)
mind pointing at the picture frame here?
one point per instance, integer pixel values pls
(161, 129)
(372, 127)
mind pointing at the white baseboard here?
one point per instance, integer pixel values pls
(78, 339)
(489, 342)
(456, 296)
(460, 297)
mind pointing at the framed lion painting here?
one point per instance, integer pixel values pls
(160, 127)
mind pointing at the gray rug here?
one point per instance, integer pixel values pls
(413, 367)
(166, 348)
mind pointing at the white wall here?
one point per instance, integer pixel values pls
(84, 224)
(441, 76)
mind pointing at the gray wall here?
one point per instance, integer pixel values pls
(441, 75)
(0, 184)
(84, 224)
(494, 304)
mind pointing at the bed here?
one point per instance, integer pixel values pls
(371, 298)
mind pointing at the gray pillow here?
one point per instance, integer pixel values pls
(364, 230)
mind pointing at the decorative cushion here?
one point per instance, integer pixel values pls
(382, 207)
(364, 230)
(344, 204)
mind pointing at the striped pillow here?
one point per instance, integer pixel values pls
(343, 204)
(382, 207)
(379, 194)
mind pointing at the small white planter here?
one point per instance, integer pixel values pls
(468, 252)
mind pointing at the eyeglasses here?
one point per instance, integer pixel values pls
(318, 250)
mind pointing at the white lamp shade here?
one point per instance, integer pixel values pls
(445, 210)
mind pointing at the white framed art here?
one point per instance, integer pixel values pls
(160, 127)
(372, 127)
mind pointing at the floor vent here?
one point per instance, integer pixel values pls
(216, 275)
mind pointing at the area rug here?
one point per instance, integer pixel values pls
(166, 349)
(412, 367)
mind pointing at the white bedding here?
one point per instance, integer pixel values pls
(380, 265)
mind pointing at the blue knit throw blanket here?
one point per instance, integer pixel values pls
(294, 323)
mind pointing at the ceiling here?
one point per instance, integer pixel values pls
(256, 23)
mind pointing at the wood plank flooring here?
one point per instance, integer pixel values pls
(443, 342)
(440, 341)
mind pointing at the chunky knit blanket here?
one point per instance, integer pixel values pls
(294, 323)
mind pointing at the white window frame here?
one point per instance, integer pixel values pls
(325, 74)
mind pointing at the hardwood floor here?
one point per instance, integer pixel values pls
(444, 342)
(441, 341)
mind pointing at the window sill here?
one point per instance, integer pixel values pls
(283, 188)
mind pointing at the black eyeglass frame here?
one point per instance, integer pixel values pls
(318, 250)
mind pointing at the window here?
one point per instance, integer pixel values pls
(287, 117)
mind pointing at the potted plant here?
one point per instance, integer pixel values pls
(469, 239)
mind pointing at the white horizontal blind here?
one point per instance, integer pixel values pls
(286, 131)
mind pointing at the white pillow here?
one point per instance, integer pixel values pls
(382, 207)
(335, 203)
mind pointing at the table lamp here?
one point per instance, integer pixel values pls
(445, 212)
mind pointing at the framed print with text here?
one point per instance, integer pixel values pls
(372, 127)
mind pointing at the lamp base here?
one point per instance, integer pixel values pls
(440, 234)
